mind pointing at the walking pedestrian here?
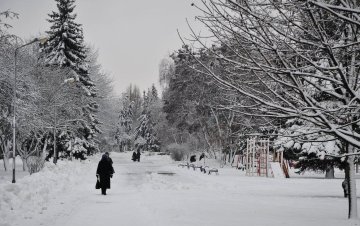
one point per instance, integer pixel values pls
(104, 172)
(138, 155)
(108, 155)
(134, 156)
(193, 158)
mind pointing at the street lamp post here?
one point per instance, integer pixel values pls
(55, 154)
(14, 99)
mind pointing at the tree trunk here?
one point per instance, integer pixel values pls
(351, 184)
(23, 159)
(6, 155)
(44, 148)
(330, 173)
(6, 162)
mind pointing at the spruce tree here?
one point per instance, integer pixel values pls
(145, 135)
(154, 92)
(65, 49)
(65, 46)
(123, 133)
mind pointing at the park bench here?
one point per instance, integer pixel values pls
(214, 170)
(183, 165)
(195, 166)
(202, 168)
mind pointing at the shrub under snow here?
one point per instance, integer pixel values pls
(178, 151)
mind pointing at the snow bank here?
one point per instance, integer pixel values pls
(32, 194)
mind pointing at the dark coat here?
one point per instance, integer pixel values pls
(201, 156)
(138, 155)
(105, 171)
(134, 156)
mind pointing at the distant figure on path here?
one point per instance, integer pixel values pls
(202, 156)
(193, 158)
(104, 172)
(134, 156)
(138, 155)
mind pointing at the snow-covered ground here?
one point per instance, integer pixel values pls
(143, 193)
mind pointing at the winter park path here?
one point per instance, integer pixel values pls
(142, 195)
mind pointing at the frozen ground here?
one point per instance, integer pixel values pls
(65, 195)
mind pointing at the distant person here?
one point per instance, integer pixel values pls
(134, 156)
(193, 158)
(104, 172)
(138, 154)
(202, 156)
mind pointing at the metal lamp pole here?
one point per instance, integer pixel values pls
(55, 153)
(14, 100)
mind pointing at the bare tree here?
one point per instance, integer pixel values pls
(292, 59)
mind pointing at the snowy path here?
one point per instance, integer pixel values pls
(140, 196)
(124, 202)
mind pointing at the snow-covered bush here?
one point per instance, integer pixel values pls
(178, 151)
(35, 163)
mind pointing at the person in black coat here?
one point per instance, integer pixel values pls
(104, 172)
(134, 156)
(108, 155)
(202, 156)
(138, 155)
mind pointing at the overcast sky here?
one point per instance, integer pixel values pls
(131, 36)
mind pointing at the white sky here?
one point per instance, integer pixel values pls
(132, 36)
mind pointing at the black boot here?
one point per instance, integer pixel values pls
(103, 191)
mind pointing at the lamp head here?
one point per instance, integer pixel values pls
(43, 40)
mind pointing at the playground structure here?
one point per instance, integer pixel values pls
(257, 157)
(258, 161)
(284, 164)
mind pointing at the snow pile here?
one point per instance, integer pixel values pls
(31, 194)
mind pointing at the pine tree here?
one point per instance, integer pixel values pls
(154, 92)
(144, 134)
(123, 133)
(65, 49)
(65, 46)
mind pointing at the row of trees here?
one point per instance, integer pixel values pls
(138, 120)
(61, 95)
(289, 69)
